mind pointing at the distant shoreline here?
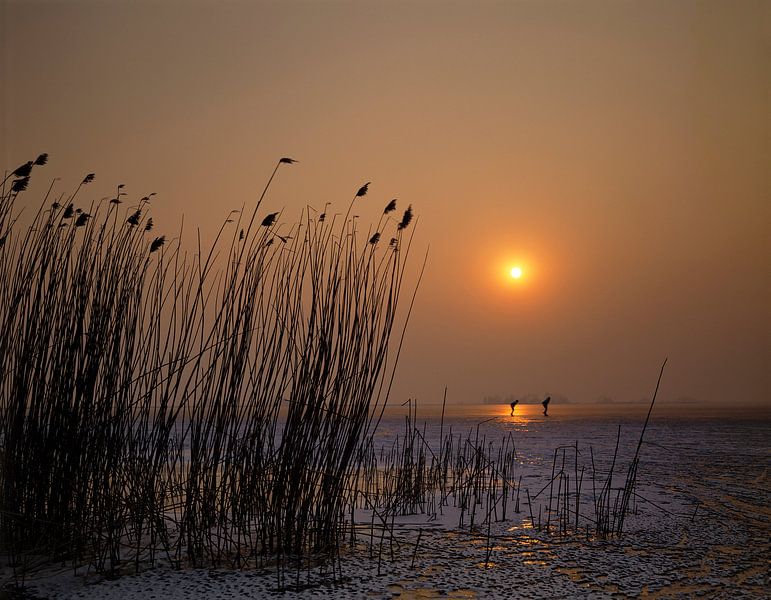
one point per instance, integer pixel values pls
(605, 410)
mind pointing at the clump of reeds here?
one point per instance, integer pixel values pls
(155, 405)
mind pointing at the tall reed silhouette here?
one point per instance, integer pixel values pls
(207, 409)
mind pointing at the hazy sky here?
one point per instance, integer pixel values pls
(618, 151)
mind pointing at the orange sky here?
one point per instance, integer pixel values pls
(619, 151)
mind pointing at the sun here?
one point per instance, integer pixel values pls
(515, 272)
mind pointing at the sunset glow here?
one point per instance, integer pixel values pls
(592, 154)
(450, 298)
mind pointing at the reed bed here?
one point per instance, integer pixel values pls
(157, 404)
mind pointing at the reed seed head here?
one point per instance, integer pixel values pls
(406, 218)
(157, 243)
(23, 170)
(19, 185)
(270, 219)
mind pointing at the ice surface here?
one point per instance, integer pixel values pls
(700, 527)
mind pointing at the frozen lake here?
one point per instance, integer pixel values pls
(700, 523)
